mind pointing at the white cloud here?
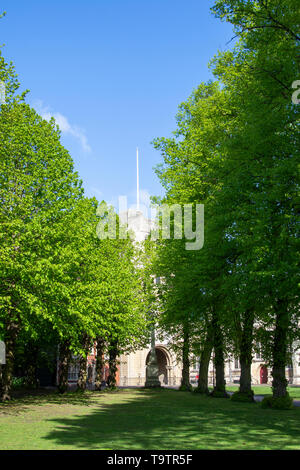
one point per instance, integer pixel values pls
(63, 124)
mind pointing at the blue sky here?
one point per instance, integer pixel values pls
(113, 74)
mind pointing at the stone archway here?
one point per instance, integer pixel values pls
(163, 363)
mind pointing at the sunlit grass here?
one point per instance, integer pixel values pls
(140, 419)
(267, 390)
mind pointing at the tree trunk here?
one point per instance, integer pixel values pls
(100, 363)
(185, 380)
(279, 383)
(113, 367)
(82, 376)
(204, 364)
(31, 365)
(219, 389)
(246, 353)
(63, 369)
(10, 338)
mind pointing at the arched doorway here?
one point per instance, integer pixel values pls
(162, 362)
(263, 373)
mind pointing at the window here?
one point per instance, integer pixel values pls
(237, 363)
(73, 372)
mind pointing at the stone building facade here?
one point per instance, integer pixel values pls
(132, 369)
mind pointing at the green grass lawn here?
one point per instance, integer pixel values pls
(267, 390)
(143, 419)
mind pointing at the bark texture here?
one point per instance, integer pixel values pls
(185, 380)
(246, 352)
(63, 368)
(204, 364)
(82, 376)
(279, 383)
(100, 363)
(219, 388)
(113, 365)
(32, 352)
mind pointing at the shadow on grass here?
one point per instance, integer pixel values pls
(167, 419)
(24, 400)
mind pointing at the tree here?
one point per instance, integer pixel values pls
(269, 148)
(38, 186)
(243, 167)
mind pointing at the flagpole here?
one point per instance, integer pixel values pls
(137, 181)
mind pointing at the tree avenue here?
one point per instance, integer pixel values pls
(235, 149)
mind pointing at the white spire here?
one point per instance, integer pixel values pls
(137, 181)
